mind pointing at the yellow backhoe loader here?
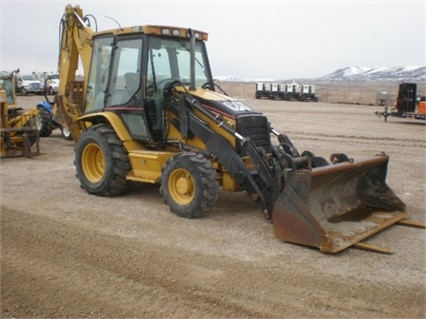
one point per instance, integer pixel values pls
(19, 128)
(149, 111)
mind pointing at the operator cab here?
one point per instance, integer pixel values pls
(130, 73)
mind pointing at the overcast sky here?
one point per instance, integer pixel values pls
(247, 39)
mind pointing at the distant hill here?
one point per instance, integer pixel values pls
(413, 73)
(396, 73)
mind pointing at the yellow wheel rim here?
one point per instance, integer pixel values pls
(93, 162)
(181, 186)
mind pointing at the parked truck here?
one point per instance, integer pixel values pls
(292, 91)
(28, 84)
(263, 90)
(307, 93)
(277, 91)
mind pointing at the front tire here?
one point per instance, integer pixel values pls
(101, 161)
(66, 133)
(189, 185)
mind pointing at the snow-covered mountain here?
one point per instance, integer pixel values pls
(413, 73)
(400, 73)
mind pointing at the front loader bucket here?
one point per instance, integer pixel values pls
(337, 206)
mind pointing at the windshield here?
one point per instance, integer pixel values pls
(6, 84)
(169, 60)
(29, 78)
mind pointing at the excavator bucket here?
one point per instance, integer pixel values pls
(337, 206)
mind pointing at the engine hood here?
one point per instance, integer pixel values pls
(223, 104)
(31, 81)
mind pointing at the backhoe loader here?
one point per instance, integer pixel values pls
(19, 128)
(148, 110)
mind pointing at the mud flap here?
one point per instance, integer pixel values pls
(337, 206)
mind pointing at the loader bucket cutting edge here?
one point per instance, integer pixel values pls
(336, 206)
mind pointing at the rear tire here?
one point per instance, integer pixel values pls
(189, 185)
(101, 161)
(46, 125)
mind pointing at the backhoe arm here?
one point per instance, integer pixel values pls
(75, 46)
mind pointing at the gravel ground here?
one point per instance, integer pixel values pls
(68, 254)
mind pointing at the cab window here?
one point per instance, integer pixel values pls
(98, 74)
(125, 79)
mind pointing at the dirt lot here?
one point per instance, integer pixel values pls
(68, 254)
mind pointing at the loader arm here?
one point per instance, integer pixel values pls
(264, 191)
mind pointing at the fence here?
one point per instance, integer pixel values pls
(365, 93)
